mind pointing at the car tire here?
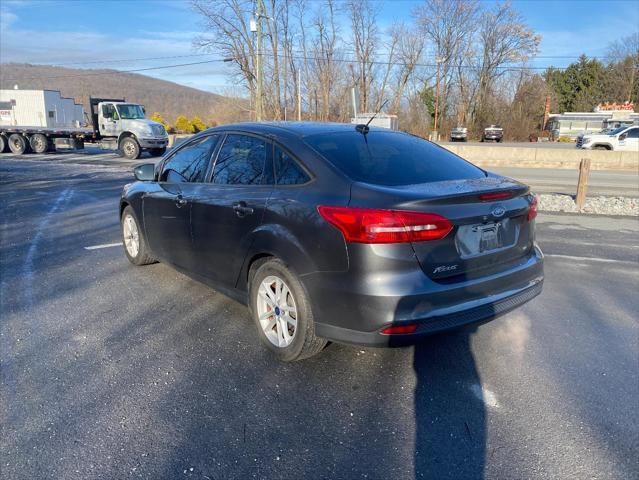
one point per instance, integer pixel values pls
(39, 143)
(135, 245)
(18, 144)
(600, 147)
(158, 152)
(299, 340)
(3, 144)
(130, 148)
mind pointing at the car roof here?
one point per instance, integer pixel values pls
(299, 129)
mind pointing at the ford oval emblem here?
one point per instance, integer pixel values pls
(498, 212)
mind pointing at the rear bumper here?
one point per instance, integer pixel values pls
(358, 317)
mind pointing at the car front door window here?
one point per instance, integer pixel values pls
(190, 163)
(167, 208)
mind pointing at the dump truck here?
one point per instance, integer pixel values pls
(39, 121)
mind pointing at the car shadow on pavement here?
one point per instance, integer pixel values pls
(450, 417)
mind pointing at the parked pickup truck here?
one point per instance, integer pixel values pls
(459, 134)
(493, 133)
(41, 120)
(622, 138)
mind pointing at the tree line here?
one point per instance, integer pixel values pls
(478, 53)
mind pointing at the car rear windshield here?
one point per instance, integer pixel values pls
(391, 158)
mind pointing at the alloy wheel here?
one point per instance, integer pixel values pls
(277, 312)
(131, 235)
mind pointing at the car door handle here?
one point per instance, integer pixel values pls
(180, 201)
(241, 209)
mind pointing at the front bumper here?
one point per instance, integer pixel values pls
(153, 142)
(343, 313)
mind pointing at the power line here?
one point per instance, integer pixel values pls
(509, 67)
(93, 62)
(429, 55)
(115, 72)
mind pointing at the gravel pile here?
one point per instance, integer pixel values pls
(597, 205)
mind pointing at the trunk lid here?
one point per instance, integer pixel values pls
(488, 234)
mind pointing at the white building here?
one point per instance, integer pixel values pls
(383, 120)
(572, 124)
(39, 108)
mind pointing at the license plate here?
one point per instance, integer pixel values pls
(472, 240)
(489, 238)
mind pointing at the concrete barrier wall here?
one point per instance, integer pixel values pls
(176, 138)
(525, 157)
(544, 157)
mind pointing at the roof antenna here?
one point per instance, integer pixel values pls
(363, 129)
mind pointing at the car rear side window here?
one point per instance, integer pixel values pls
(287, 170)
(391, 158)
(241, 161)
(190, 163)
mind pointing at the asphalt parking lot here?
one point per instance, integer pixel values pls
(115, 371)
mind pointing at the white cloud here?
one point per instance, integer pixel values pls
(6, 19)
(99, 50)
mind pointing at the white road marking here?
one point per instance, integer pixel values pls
(594, 244)
(589, 259)
(105, 245)
(28, 267)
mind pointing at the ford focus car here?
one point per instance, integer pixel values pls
(332, 232)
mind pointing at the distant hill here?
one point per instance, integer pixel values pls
(167, 98)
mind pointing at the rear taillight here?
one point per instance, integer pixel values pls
(532, 210)
(400, 329)
(365, 225)
(486, 197)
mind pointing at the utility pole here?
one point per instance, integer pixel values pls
(546, 113)
(258, 62)
(435, 133)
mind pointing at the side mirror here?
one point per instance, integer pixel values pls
(145, 173)
(143, 110)
(623, 136)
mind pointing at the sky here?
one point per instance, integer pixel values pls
(113, 33)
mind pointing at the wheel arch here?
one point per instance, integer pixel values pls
(126, 134)
(607, 146)
(275, 241)
(123, 205)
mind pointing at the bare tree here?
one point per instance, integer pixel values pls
(623, 56)
(410, 47)
(365, 37)
(474, 43)
(324, 58)
(503, 38)
(449, 26)
(228, 33)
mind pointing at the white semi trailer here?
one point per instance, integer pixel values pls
(41, 120)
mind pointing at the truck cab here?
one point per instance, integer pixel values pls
(123, 125)
(493, 133)
(624, 138)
